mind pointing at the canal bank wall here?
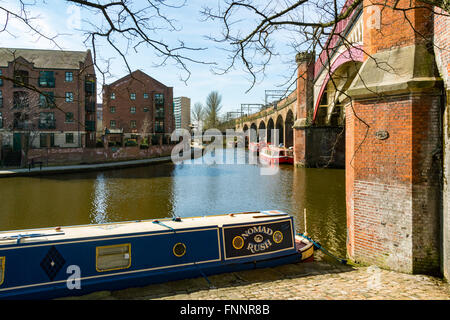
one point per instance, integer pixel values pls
(36, 171)
(74, 156)
(162, 157)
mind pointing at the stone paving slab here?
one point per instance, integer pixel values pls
(314, 280)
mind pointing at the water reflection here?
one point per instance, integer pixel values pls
(99, 212)
(184, 190)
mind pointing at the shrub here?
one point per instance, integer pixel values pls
(131, 143)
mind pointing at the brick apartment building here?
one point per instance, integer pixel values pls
(137, 106)
(47, 99)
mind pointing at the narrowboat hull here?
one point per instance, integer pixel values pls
(273, 160)
(69, 261)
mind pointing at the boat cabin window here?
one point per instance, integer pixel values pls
(2, 270)
(113, 257)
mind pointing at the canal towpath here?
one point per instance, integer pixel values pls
(37, 170)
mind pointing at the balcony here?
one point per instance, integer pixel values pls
(90, 106)
(89, 86)
(159, 99)
(49, 124)
(20, 79)
(90, 125)
(159, 114)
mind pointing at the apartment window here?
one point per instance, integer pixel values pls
(146, 109)
(47, 100)
(43, 137)
(159, 126)
(69, 76)
(21, 121)
(69, 117)
(20, 78)
(159, 99)
(133, 124)
(133, 109)
(1, 120)
(145, 95)
(69, 96)
(112, 123)
(133, 96)
(112, 109)
(47, 79)
(69, 137)
(20, 99)
(1, 99)
(159, 113)
(113, 96)
(47, 120)
(1, 80)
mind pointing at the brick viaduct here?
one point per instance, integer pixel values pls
(386, 86)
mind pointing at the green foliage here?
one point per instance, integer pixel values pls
(212, 109)
(131, 143)
(99, 144)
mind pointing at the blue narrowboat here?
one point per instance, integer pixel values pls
(67, 261)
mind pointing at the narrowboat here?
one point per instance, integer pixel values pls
(276, 155)
(75, 260)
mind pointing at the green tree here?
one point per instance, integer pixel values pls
(212, 109)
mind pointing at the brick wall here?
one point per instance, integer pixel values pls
(385, 28)
(304, 104)
(442, 52)
(393, 184)
(67, 156)
(139, 84)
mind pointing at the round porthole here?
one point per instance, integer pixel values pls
(277, 236)
(238, 242)
(179, 249)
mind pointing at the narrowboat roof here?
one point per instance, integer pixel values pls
(138, 227)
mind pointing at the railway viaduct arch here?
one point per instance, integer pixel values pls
(397, 151)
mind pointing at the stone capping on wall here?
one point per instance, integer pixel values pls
(396, 71)
(301, 123)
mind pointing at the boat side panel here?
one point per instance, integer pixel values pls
(258, 241)
(28, 267)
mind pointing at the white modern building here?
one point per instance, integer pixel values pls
(182, 112)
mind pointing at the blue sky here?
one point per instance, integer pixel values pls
(56, 16)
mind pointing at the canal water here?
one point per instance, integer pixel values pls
(166, 190)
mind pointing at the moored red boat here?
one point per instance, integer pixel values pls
(276, 155)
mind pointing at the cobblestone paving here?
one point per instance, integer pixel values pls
(315, 280)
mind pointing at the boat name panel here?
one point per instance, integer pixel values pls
(248, 240)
